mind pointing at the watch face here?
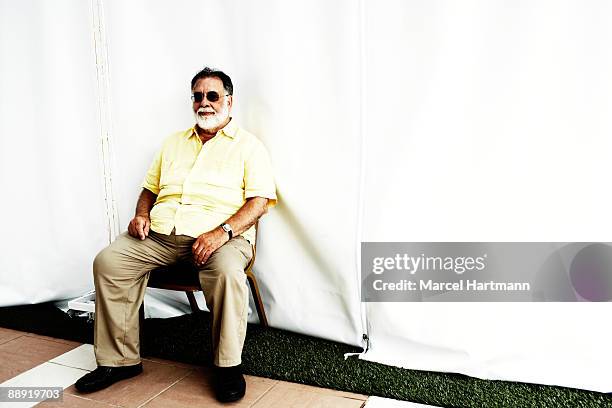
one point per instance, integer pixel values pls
(226, 228)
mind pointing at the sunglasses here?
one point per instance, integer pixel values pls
(212, 96)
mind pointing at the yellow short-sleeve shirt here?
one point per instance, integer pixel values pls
(199, 186)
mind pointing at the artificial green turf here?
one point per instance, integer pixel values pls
(283, 355)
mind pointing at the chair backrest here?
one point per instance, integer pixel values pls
(254, 246)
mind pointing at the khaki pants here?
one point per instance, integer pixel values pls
(121, 272)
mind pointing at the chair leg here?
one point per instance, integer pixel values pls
(192, 302)
(141, 324)
(261, 312)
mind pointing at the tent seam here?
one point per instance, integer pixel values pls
(104, 117)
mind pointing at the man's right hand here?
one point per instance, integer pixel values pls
(139, 226)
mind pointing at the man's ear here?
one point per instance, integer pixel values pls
(230, 101)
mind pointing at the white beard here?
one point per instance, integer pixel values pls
(212, 122)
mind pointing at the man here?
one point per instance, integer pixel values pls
(201, 197)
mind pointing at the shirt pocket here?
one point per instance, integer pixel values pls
(227, 174)
(173, 173)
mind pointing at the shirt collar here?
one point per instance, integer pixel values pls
(230, 130)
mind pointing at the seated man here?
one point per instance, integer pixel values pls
(201, 197)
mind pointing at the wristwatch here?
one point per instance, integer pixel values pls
(227, 228)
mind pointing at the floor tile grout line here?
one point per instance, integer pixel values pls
(353, 398)
(190, 371)
(276, 382)
(50, 339)
(14, 338)
(356, 399)
(92, 400)
(294, 385)
(69, 366)
(324, 391)
(324, 394)
(173, 364)
(11, 340)
(53, 339)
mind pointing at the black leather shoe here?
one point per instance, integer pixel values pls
(102, 377)
(230, 385)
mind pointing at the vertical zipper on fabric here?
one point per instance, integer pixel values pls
(362, 166)
(104, 116)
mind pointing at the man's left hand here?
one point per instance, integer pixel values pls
(206, 244)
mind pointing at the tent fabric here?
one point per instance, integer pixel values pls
(53, 213)
(499, 131)
(416, 121)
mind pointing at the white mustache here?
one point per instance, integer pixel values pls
(202, 110)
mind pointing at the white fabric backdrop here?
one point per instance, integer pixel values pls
(497, 123)
(52, 203)
(483, 121)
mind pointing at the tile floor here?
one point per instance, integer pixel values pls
(28, 359)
